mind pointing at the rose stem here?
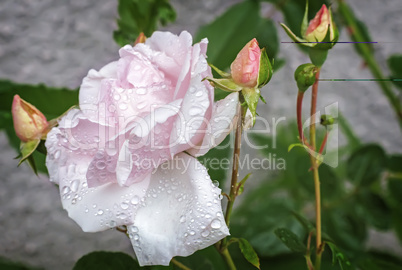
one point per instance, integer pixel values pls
(179, 264)
(324, 142)
(315, 171)
(233, 187)
(300, 95)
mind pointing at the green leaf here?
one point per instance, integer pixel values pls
(205, 259)
(345, 227)
(291, 240)
(375, 260)
(136, 16)
(394, 163)
(340, 257)
(375, 210)
(248, 252)
(103, 260)
(395, 65)
(366, 164)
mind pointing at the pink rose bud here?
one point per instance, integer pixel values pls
(318, 27)
(246, 66)
(29, 122)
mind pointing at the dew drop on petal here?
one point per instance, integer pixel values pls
(182, 219)
(191, 232)
(135, 200)
(133, 229)
(205, 233)
(215, 183)
(215, 224)
(65, 190)
(100, 212)
(124, 205)
(75, 185)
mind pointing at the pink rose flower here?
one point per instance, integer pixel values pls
(29, 123)
(120, 160)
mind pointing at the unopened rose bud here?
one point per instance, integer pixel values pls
(245, 68)
(319, 26)
(29, 122)
(305, 76)
(327, 120)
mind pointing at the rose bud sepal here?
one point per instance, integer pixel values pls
(225, 84)
(265, 71)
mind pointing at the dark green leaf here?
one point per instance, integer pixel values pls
(138, 16)
(103, 260)
(395, 65)
(346, 228)
(205, 259)
(291, 240)
(379, 261)
(375, 210)
(249, 253)
(27, 149)
(394, 163)
(395, 190)
(366, 164)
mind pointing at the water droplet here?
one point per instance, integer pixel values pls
(112, 223)
(65, 190)
(57, 154)
(195, 111)
(220, 196)
(75, 185)
(124, 205)
(135, 200)
(215, 183)
(121, 216)
(191, 232)
(136, 237)
(100, 212)
(116, 97)
(205, 233)
(215, 224)
(207, 216)
(73, 201)
(182, 219)
(133, 229)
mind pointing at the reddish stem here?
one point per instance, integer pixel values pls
(324, 142)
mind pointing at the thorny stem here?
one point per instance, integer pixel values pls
(179, 264)
(316, 176)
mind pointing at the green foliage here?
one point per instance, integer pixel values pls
(395, 65)
(102, 260)
(138, 16)
(232, 30)
(206, 259)
(366, 164)
(248, 252)
(291, 240)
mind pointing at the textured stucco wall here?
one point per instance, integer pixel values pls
(57, 42)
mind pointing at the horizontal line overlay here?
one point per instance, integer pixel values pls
(360, 80)
(329, 42)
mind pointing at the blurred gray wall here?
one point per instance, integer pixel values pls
(57, 42)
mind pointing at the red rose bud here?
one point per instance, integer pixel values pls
(245, 68)
(29, 122)
(319, 26)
